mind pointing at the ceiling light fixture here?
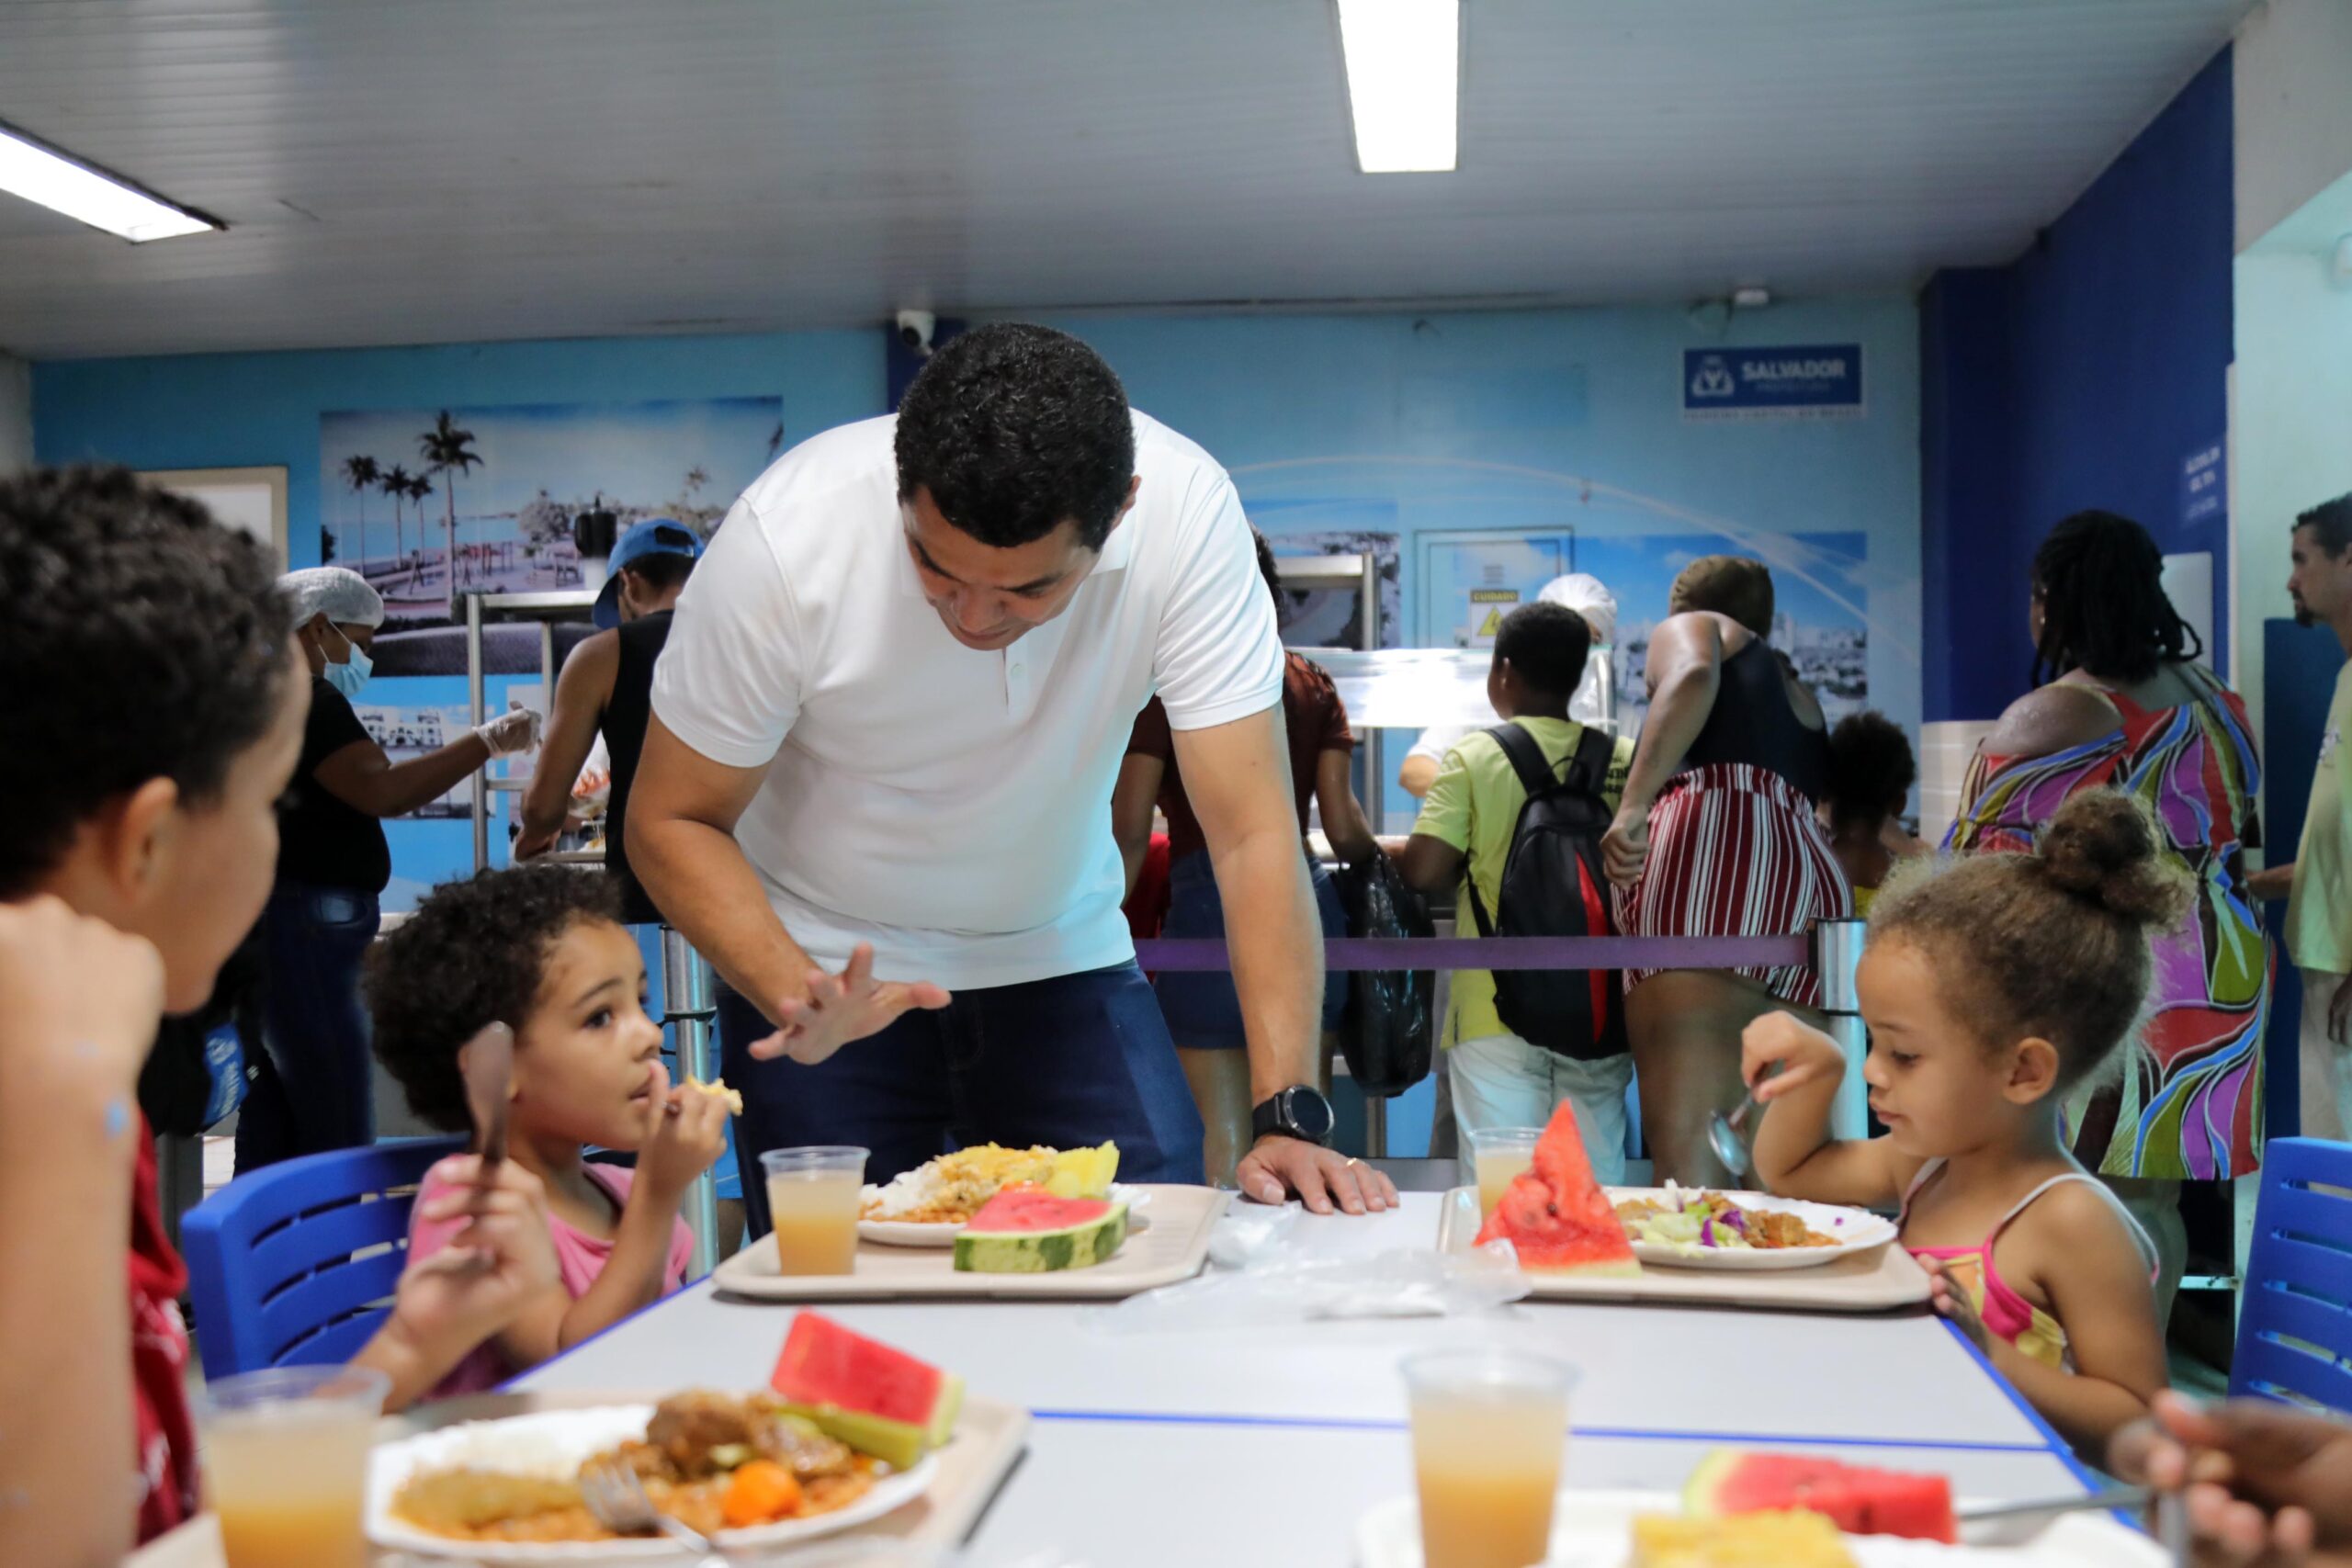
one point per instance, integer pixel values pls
(1403, 60)
(41, 173)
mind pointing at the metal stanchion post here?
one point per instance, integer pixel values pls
(689, 1003)
(1836, 954)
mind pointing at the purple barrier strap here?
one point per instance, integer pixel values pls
(1350, 953)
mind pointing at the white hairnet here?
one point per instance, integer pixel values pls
(342, 594)
(1588, 597)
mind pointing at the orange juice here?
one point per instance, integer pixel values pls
(1490, 1427)
(815, 1218)
(289, 1480)
(814, 1195)
(1498, 1154)
(324, 1535)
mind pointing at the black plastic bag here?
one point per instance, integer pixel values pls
(1390, 1039)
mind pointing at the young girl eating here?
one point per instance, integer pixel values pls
(541, 949)
(1993, 985)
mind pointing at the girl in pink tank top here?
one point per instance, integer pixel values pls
(541, 949)
(1992, 987)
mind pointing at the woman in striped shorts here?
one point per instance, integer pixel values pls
(1716, 837)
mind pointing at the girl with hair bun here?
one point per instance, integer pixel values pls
(1993, 988)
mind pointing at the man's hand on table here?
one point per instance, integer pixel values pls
(841, 1008)
(1279, 1166)
(2267, 1485)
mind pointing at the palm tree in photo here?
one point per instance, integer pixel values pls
(394, 483)
(450, 451)
(419, 486)
(360, 473)
(696, 477)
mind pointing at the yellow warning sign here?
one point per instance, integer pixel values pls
(1497, 600)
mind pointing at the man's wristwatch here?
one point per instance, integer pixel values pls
(1299, 1112)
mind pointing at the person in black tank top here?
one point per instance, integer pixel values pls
(607, 686)
(1716, 837)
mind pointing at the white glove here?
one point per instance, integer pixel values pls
(517, 729)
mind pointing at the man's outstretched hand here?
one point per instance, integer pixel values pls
(841, 1008)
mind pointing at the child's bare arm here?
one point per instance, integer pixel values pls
(687, 1132)
(2086, 1261)
(1796, 1155)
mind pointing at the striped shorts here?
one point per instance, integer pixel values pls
(1734, 850)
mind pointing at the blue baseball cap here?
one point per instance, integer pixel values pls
(654, 536)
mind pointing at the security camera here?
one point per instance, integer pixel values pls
(915, 328)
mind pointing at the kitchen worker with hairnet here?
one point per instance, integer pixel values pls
(313, 1090)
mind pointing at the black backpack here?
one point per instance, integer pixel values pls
(1553, 886)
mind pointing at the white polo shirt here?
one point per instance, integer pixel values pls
(953, 808)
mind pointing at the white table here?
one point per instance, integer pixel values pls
(1265, 1445)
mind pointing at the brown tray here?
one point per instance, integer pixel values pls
(990, 1437)
(1881, 1281)
(1173, 1248)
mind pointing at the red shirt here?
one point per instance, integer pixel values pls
(1314, 718)
(166, 1437)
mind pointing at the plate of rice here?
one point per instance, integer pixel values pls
(926, 1206)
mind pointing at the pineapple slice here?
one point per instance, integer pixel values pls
(1084, 1173)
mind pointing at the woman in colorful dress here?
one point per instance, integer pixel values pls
(2129, 709)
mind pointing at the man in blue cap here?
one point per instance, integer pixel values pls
(608, 685)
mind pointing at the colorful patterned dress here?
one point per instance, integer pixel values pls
(2188, 1102)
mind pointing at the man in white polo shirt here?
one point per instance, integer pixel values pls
(875, 791)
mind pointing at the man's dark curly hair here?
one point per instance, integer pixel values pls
(1547, 644)
(142, 640)
(474, 954)
(1015, 430)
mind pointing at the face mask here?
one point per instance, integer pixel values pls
(349, 676)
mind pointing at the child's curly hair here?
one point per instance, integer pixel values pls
(474, 954)
(2053, 943)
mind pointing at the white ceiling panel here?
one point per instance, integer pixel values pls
(409, 170)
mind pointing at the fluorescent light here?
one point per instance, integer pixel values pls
(37, 173)
(1403, 60)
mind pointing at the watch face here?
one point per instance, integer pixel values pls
(1310, 1114)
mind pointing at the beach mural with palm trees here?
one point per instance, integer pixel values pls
(432, 504)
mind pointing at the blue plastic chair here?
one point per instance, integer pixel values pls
(295, 1264)
(2295, 1321)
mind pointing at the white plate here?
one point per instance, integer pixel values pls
(910, 1232)
(555, 1441)
(1593, 1529)
(1856, 1230)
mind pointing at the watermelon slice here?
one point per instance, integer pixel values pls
(877, 1400)
(1556, 1215)
(1024, 1229)
(1858, 1500)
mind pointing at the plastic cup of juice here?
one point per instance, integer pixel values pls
(1489, 1429)
(813, 1197)
(285, 1456)
(1498, 1154)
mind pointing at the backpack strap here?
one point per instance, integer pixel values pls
(1526, 756)
(1588, 769)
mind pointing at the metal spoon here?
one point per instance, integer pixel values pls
(1724, 1136)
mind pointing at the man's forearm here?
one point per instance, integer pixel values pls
(698, 877)
(1277, 947)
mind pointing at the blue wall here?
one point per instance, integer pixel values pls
(2082, 375)
(1403, 424)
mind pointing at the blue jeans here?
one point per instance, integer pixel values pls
(1066, 1062)
(1202, 1008)
(314, 1090)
